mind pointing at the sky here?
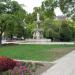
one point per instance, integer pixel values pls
(30, 4)
(58, 12)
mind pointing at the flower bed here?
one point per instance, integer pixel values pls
(6, 64)
(11, 67)
(23, 68)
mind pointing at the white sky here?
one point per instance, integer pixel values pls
(58, 12)
(30, 4)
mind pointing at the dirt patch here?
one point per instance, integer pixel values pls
(41, 69)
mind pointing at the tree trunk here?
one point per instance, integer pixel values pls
(0, 40)
(11, 37)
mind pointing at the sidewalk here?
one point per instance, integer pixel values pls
(63, 66)
(37, 42)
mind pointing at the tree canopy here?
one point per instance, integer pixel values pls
(15, 21)
(11, 15)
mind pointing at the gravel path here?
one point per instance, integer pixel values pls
(63, 66)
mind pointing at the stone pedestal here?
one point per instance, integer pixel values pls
(37, 34)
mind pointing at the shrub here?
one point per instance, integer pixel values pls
(6, 64)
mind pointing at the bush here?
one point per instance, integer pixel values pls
(6, 64)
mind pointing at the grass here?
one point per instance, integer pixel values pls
(36, 52)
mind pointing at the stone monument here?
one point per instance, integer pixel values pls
(37, 32)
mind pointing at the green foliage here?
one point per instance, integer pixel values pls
(15, 21)
(29, 29)
(4, 0)
(72, 26)
(49, 33)
(2, 8)
(11, 15)
(65, 32)
(51, 29)
(5, 20)
(30, 18)
(67, 6)
(9, 31)
(48, 8)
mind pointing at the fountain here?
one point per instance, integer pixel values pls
(38, 34)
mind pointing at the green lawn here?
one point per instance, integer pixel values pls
(36, 52)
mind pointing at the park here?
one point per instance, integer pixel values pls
(37, 43)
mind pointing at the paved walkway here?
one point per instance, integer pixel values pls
(36, 42)
(63, 66)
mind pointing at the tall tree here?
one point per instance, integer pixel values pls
(11, 13)
(3, 23)
(67, 6)
(48, 8)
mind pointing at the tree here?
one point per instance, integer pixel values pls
(48, 8)
(11, 14)
(49, 33)
(4, 0)
(30, 18)
(3, 23)
(65, 32)
(72, 26)
(67, 7)
(9, 31)
(51, 28)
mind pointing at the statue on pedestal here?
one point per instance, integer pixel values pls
(38, 34)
